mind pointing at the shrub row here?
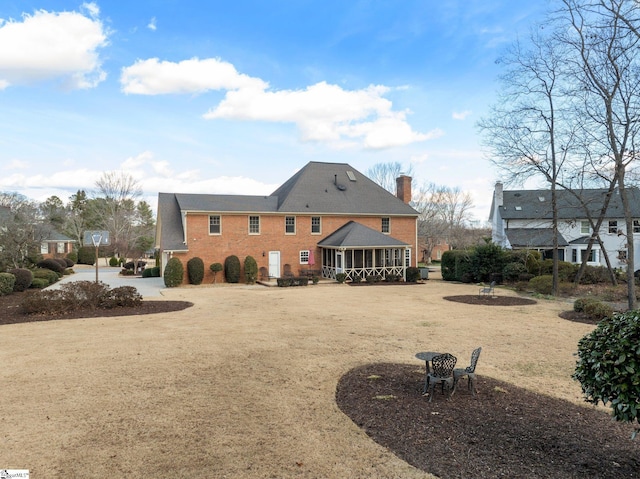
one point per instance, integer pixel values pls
(80, 295)
(297, 281)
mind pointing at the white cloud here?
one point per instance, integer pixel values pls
(152, 24)
(153, 77)
(322, 112)
(461, 115)
(50, 45)
(16, 165)
(325, 112)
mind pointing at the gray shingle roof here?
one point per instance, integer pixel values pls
(533, 238)
(329, 188)
(536, 204)
(355, 235)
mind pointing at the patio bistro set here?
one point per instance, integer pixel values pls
(443, 371)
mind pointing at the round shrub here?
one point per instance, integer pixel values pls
(250, 269)
(53, 265)
(113, 261)
(24, 277)
(580, 303)
(61, 262)
(413, 274)
(608, 367)
(73, 257)
(195, 270)
(232, 269)
(87, 255)
(46, 274)
(598, 310)
(542, 284)
(173, 273)
(69, 261)
(7, 281)
(39, 283)
(123, 296)
(151, 272)
(341, 277)
(85, 294)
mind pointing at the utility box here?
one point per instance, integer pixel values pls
(424, 273)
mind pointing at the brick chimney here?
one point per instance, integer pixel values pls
(403, 188)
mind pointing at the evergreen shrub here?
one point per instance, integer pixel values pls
(73, 257)
(215, 269)
(413, 274)
(53, 265)
(250, 269)
(542, 284)
(39, 283)
(341, 277)
(86, 255)
(195, 270)
(598, 310)
(7, 281)
(173, 273)
(113, 261)
(24, 277)
(46, 274)
(232, 269)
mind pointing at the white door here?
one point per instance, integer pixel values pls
(339, 268)
(274, 264)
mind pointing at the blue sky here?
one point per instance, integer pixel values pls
(234, 97)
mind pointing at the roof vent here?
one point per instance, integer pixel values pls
(341, 187)
(518, 208)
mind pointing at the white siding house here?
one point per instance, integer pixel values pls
(523, 219)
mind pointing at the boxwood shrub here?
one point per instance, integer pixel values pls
(195, 270)
(173, 273)
(250, 269)
(232, 269)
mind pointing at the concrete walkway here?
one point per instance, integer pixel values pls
(147, 287)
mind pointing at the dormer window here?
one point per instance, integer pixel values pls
(541, 199)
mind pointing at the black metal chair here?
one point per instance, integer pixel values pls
(441, 373)
(469, 371)
(487, 290)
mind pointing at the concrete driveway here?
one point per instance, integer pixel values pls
(147, 287)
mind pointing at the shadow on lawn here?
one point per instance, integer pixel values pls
(505, 431)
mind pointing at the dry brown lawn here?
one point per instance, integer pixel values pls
(243, 384)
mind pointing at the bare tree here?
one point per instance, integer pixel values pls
(530, 130)
(444, 214)
(385, 174)
(20, 236)
(602, 35)
(116, 197)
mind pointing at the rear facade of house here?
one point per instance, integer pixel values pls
(326, 219)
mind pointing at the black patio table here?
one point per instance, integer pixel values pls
(426, 356)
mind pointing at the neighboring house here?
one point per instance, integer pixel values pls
(326, 219)
(52, 243)
(436, 245)
(523, 219)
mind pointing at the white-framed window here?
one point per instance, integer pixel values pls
(386, 228)
(594, 256)
(613, 227)
(290, 225)
(622, 255)
(254, 225)
(215, 225)
(44, 248)
(407, 258)
(316, 225)
(304, 256)
(585, 228)
(59, 247)
(636, 226)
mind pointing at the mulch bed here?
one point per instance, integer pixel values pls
(487, 300)
(504, 431)
(578, 317)
(10, 312)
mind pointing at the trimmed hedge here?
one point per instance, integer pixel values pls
(285, 282)
(232, 269)
(250, 269)
(173, 273)
(46, 274)
(24, 277)
(53, 265)
(195, 270)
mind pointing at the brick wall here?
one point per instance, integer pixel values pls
(235, 239)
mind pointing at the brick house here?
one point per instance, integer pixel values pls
(328, 218)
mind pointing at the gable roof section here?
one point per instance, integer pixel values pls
(169, 232)
(533, 238)
(536, 204)
(355, 235)
(337, 188)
